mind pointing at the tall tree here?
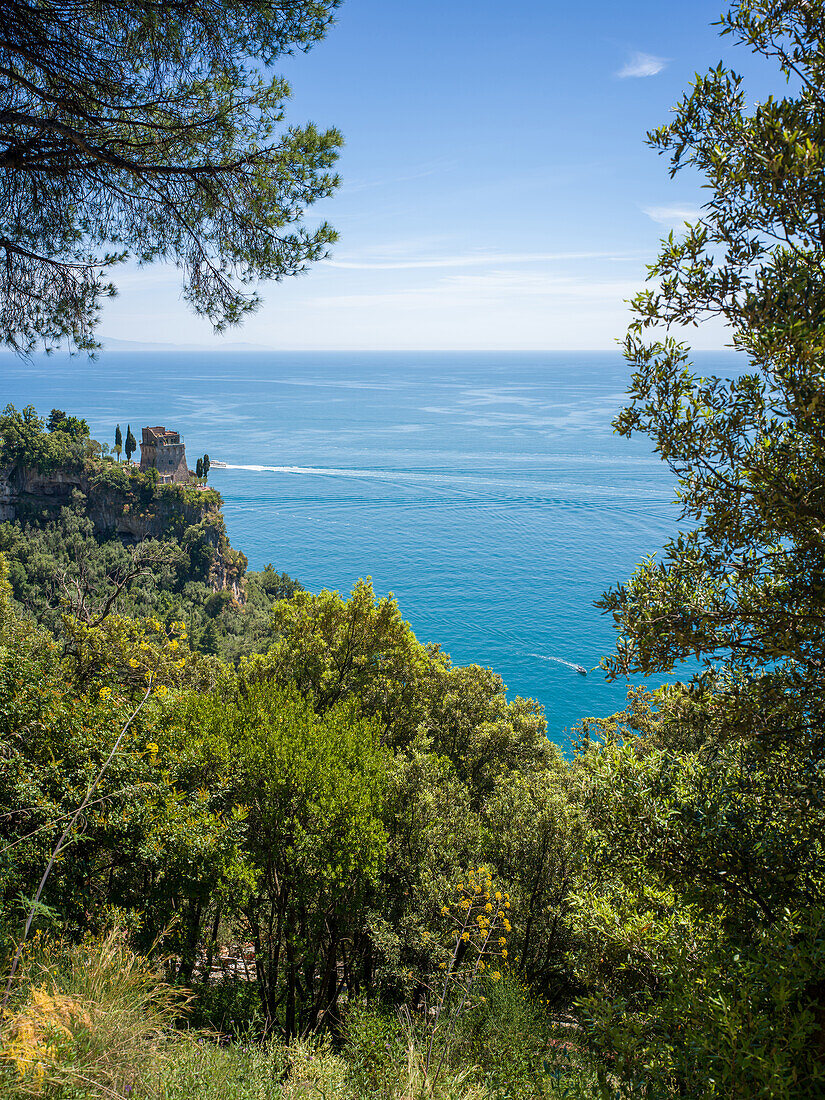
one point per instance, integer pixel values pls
(709, 866)
(206, 465)
(55, 421)
(151, 130)
(199, 469)
(315, 841)
(131, 443)
(746, 581)
(118, 442)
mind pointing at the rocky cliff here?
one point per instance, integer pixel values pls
(123, 502)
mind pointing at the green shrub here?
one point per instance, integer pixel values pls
(738, 1024)
(373, 1046)
(198, 1067)
(230, 1008)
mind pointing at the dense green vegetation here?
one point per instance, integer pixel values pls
(27, 440)
(61, 562)
(334, 837)
(55, 565)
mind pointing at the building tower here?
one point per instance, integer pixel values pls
(163, 450)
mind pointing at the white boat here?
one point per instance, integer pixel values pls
(216, 465)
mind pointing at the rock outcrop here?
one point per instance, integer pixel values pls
(122, 502)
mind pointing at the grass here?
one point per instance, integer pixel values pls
(84, 1022)
(95, 1022)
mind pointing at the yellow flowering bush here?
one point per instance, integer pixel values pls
(133, 653)
(38, 1035)
(86, 1022)
(475, 937)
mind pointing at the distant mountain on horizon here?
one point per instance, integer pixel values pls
(112, 343)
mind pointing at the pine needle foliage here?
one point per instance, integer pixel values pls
(152, 131)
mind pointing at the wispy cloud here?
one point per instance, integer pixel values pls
(673, 215)
(642, 64)
(493, 287)
(417, 173)
(476, 259)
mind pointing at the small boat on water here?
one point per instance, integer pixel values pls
(581, 671)
(217, 465)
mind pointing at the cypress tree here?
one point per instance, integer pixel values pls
(118, 441)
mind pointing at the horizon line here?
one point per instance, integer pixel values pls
(341, 350)
(148, 349)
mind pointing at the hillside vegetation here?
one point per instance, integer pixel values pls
(258, 842)
(89, 534)
(330, 821)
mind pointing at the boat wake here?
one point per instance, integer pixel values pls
(322, 470)
(560, 661)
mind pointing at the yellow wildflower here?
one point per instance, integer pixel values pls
(498, 895)
(488, 908)
(465, 936)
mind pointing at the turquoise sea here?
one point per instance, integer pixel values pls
(486, 490)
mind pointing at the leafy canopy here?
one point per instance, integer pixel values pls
(700, 917)
(745, 583)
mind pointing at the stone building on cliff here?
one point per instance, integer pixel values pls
(163, 450)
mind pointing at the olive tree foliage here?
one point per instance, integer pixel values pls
(746, 582)
(700, 917)
(155, 131)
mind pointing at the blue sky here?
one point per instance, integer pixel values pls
(497, 191)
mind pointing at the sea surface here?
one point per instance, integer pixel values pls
(487, 491)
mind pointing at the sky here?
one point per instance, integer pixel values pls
(497, 190)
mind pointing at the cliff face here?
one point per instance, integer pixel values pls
(119, 501)
(22, 490)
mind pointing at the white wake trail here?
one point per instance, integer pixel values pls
(323, 470)
(557, 661)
